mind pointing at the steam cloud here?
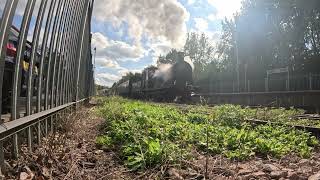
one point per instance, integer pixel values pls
(163, 74)
(156, 19)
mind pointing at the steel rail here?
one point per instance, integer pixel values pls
(9, 128)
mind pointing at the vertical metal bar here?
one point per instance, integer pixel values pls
(51, 123)
(79, 57)
(46, 126)
(71, 55)
(55, 55)
(7, 18)
(266, 84)
(15, 145)
(43, 55)
(77, 39)
(1, 155)
(58, 55)
(71, 58)
(35, 42)
(62, 54)
(310, 81)
(67, 60)
(39, 132)
(29, 129)
(54, 34)
(92, 65)
(20, 50)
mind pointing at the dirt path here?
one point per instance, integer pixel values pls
(71, 154)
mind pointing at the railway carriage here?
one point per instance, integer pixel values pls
(10, 61)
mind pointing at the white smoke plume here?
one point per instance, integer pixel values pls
(188, 60)
(163, 74)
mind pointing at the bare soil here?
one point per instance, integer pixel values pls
(72, 154)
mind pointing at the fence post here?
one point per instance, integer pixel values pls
(46, 126)
(233, 86)
(310, 81)
(51, 122)
(39, 132)
(266, 84)
(248, 86)
(15, 146)
(1, 156)
(30, 138)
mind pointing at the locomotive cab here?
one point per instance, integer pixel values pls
(182, 76)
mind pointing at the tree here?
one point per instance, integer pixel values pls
(272, 34)
(170, 58)
(200, 51)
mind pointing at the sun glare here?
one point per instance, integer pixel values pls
(225, 8)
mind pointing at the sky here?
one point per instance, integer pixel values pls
(129, 35)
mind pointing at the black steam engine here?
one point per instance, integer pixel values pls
(167, 82)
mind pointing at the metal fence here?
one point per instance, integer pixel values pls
(45, 62)
(301, 82)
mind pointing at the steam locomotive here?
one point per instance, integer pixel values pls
(167, 82)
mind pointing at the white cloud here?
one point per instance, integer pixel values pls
(190, 2)
(108, 63)
(109, 76)
(106, 79)
(125, 71)
(212, 17)
(109, 53)
(99, 40)
(225, 8)
(116, 50)
(123, 51)
(201, 24)
(153, 18)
